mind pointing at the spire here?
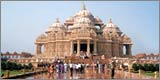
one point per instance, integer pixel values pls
(83, 7)
(110, 20)
(57, 20)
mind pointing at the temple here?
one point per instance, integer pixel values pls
(83, 33)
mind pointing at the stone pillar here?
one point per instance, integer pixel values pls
(129, 50)
(45, 49)
(88, 47)
(56, 54)
(78, 47)
(38, 49)
(95, 46)
(71, 49)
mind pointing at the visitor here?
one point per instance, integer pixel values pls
(51, 70)
(48, 68)
(112, 70)
(79, 67)
(57, 67)
(65, 67)
(76, 68)
(71, 68)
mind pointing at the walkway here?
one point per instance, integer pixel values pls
(89, 74)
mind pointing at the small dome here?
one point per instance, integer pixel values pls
(110, 24)
(98, 19)
(57, 23)
(42, 36)
(126, 39)
(112, 27)
(55, 26)
(70, 19)
(125, 36)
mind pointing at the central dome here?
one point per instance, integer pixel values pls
(83, 18)
(84, 12)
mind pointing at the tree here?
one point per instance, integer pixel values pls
(25, 66)
(135, 67)
(3, 65)
(30, 65)
(152, 68)
(157, 67)
(146, 67)
(14, 65)
(141, 67)
(19, 67)
(9, 66)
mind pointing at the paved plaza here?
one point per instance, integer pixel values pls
(89, 74)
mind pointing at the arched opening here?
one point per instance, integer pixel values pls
(75, 48)
(70, 26)
(91, 48)
(124, 50)
(83, 47)
(97, 26)
(42, 49)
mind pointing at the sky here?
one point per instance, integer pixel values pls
(23, 21)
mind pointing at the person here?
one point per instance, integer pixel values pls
(48, 68)
(49, 71)
(112, 70)
(2, 75)
(65, 67)
(71, 68)
(76, 67)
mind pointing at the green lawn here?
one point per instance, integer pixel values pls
(149, 73)
(13, 72)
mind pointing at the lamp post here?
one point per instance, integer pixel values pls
(156, 75)
(140, 73)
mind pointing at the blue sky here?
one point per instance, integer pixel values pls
(23, 21)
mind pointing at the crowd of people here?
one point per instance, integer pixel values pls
(62, 67)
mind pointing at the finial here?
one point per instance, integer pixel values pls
(57, 20)
(83, 7)
(83, 14)
(110, 20)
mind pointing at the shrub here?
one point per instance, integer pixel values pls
(146, 67)
(152, 68)
(157, 67)
(3, 65)
(30, 65)
(141, 67)
(135, 67)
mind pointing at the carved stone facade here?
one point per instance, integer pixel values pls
(83, 33)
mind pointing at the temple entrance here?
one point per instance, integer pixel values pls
(126, 50)
(91, 48)
(83, 47)
(75, 48)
